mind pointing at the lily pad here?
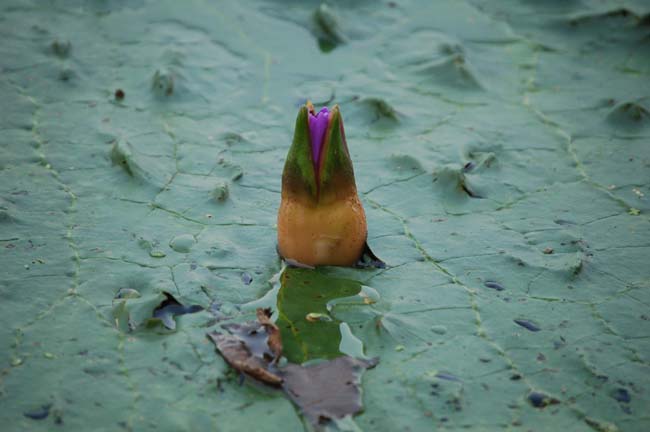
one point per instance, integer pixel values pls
(482, 133)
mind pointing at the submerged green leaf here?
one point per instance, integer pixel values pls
(308, 331)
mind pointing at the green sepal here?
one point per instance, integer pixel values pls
(336, 172)
(298, 176)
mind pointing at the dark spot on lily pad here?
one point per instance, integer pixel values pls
(66, 74)
(169, 308)
(622, 395)
(447, 377)
(494, 285)
(468, 166)
(368, 259)
(119, 94)
(246, 278)
(39, 413)
(541, 400)
(527, 324)
(61, 48)
(559, 344)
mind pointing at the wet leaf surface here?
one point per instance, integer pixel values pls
(109, 198)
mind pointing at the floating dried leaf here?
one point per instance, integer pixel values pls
(251, 346)
(326, 391)
(237, 355)
(273, 332)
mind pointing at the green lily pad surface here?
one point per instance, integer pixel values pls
(501, 151)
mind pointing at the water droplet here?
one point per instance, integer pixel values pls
(127, 293)
(439, 329)
(157, 254)
(315, 316)
(369, 295)
(182, 243)
(350, 344)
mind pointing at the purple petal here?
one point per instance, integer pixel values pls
(317, 129)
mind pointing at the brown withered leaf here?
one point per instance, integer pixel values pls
(239, 356)
(251, 346)
(273, 332)
(326, 391)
